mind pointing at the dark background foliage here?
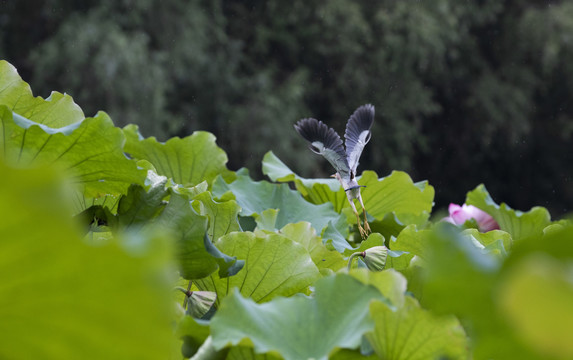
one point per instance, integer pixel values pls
(465, 92)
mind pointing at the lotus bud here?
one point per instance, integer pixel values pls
(375, 258)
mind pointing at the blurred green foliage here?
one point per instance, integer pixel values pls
(466, 92)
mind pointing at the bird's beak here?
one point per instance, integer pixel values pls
(333, 176)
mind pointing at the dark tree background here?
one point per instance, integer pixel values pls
(465, 91)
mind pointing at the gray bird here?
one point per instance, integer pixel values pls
(326, 142)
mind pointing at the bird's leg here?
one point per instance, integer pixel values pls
(363, 232)
(367, 229)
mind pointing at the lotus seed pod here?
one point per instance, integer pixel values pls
(200, 302)
(375, 258)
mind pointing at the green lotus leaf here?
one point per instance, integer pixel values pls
(57, 111)
(334, 238)
(141, 209)
(399, 260)
(254, 197)
(61, 298)
(304, 234)
(137, 208)
(389, 226)
(345, 354)
(517, 223)
(140, 206)
(111, 202)
(540, 282)
(455, 266)
(397, 193)
(248, 353)
(411, 240)
(299, 327)
(277, 171)
(193, 332)
(495, 242)
(389, 282)
(267, 220)
(274, 266)
(316, 191)
(412, 333)
(222, 215)
(91, 151)
(197, 256)
(187, 161)
(81, 203)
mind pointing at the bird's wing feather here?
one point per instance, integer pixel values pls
(358, 134)
(326, 142)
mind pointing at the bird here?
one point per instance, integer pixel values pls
(324, 141)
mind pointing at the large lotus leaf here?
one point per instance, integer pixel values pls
(457, 266)
(254, 197)
(192, 191)
(519, 224)
(412, 333)
(277, 171)
(323, 258)
(248, 353)
(346, 354)
(81, 203)
(188, 161)
(111, 202)
(63, 299)
(399, 260)
(411, 240)
(496, 241)
(540, 282)
(274, 266)
(397, 193)
(57, 111)
(416, 242)
(389, 226)
(91, 151)
(317, 191)
(462, 279)
(299, 327)
(197, 256)
(333, 237)
(222, 215)
(267, 220)
(193, 332)
(137, 208)
(390, 283)
(140, 206)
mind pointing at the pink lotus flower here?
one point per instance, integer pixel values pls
(460, 214)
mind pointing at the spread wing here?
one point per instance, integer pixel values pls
(358, 134)
(326, 142)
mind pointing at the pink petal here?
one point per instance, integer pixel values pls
(453, 207)
(460, 216)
